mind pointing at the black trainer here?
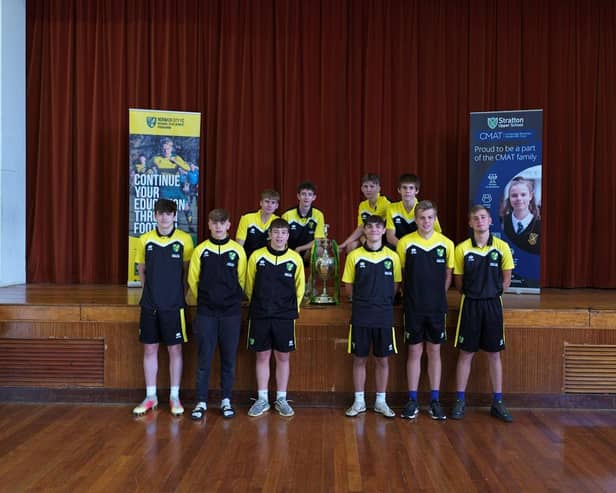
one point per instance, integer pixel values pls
(411, 410)
(457, 412)
(499, 411)
(436, 411)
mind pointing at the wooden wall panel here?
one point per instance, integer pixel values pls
(533, 361)
(604, 319)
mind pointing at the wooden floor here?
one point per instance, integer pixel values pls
(102, 448)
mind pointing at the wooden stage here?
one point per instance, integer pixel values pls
(76, 343)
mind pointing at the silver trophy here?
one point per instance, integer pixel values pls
(324, 269)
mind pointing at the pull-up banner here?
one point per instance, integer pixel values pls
(163, 153)
(505, 176)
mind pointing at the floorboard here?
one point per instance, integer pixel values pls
(103, 448)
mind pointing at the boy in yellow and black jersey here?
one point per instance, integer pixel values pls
(275, 284)
(371, 274)
(482, 271)
(254, 226)
(374, 205)
(305, 222)
(216, 278)
(162, 256)
(427, 261)
(401, 215)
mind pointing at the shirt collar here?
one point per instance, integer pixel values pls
(219, 242)
(474, 243)
(276, 253)
(165, 236)
(299, 213)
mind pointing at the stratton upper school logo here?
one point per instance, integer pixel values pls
(150, 121)
(492, 122)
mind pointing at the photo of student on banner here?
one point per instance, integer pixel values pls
(521, 213)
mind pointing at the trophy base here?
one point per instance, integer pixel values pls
(323, 300)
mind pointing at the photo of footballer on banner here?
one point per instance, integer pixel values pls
(505, 176)
(163, 164)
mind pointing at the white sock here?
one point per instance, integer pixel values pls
(225, 403)
(174, 392)
(201, 404)
(262, 394)
(359, 397)
(281, 395)
(150, 391)
(380, 397)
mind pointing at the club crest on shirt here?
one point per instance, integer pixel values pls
(494, 255)
(388, 264)
(290, 266)
(440, 252)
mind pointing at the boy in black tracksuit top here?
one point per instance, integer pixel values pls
(275, 287)
(216, 278)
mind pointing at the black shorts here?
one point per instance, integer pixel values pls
(166, 326)
(271, 333)
(383, 341)
(480, 325)
(425, 327)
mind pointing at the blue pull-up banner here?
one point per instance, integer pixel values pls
(505, 176)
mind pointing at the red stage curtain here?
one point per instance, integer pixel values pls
(326, 90)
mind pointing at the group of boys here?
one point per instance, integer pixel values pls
(265, 264)
(393, 243)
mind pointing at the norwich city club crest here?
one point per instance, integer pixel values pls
(388, 264)
(494, 256)
(440, 252)
(150, 121)
(176, 248)
(290, 266)
(232, 255)
(492, 122)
